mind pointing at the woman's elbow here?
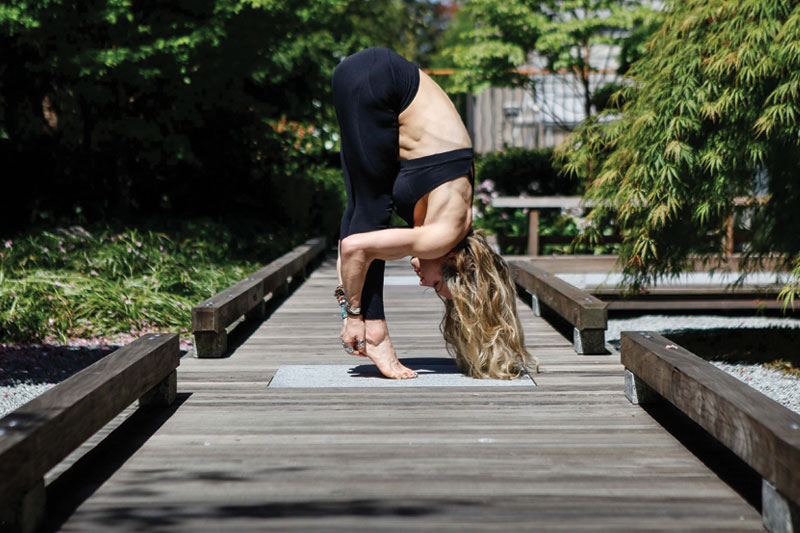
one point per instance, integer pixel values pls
(352, 250)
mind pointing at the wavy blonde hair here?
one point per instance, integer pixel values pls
(480, 324)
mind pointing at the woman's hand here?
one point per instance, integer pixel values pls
(354, 335)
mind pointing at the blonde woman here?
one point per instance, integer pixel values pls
(404, 147)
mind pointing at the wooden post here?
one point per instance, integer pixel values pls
(533, 232)
(637, 391)
(588, 341)
(25, 513)
(210, 344)
(729, 245)
(779, 514)
(163, 393)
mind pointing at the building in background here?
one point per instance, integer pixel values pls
(541, 115)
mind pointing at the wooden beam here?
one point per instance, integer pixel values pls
(760, 431)
(38, 435)
(533, 232)
(587, 314)
(211, 317)
(541, 202)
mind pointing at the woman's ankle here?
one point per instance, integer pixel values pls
(377, 331)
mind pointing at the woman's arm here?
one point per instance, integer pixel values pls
(360, 249)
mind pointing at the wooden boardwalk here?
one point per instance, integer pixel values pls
(568, 455)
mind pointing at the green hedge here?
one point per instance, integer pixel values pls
(518, 171)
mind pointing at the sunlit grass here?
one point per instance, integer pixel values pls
(104, 281)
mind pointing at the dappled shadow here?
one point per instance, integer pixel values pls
(37, 364)
(148, 517)
(421, 365)
(243, 329)
(715, 455)
(82, 479)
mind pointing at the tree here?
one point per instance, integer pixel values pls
(114, 107)
(712, 114)
(564, 37)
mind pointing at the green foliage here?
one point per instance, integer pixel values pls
(712, 113)
(522, 172)
(504, 33)
(56, 285)
(118, 109)
(519, 171)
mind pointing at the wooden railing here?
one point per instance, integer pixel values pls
(41, 433)
(534, 204)
(763, 433)
(213, 318)
(587, 314)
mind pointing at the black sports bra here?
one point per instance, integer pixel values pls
(418, 177)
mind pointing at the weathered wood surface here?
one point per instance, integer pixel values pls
(562, 264)
(587, 314)
(571, 454)
(760, 431)
(577, 307)
(37, 436)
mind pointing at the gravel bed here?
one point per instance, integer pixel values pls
(781, 387)
(28, 371)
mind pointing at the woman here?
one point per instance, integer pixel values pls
(404, 147)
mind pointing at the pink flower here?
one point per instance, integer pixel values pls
(138, 244)
(45, 249)
(94, 272)
(9, 243)
(57, 284)
(51, 321)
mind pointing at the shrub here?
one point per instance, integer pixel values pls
(520, 171)
(73, 283)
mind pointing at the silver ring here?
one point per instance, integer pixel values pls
(361, 343)
(348, 349)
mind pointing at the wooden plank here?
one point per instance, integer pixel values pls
(694, 305)
(760, 431)
(222, 309)
(577, 307)
(42, 432)
(569, 455)
(541, 202)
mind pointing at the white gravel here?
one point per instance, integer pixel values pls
(664, 323)
(13, 396)
(781, 387)
(28, 371)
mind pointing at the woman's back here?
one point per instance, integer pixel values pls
(430, 124)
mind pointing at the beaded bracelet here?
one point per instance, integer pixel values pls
(346, 308)
(341, 300)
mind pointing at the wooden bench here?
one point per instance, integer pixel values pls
(535, 204)
(41, 433)
(587, 314)
(763, 433)
(213, 318)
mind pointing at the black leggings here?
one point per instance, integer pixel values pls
(370, 89)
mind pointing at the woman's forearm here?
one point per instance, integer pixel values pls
(357, 251)
(353, 266)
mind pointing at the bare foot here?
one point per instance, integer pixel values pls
(381, 351)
